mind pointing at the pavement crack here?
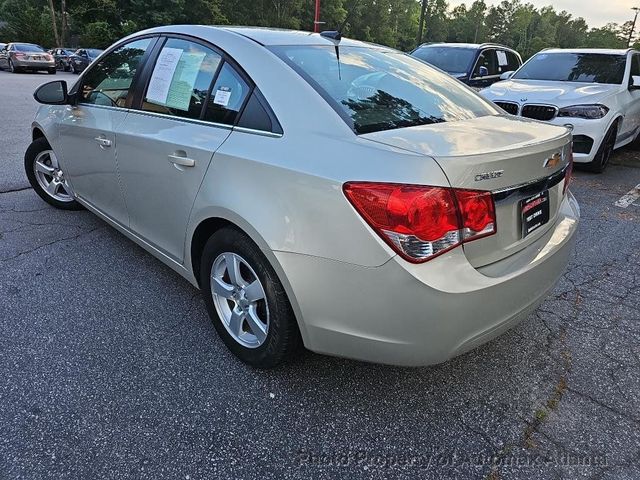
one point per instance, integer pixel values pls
(13, 190)
(53, 242)
(601, 404)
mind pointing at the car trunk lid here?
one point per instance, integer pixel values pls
(516, 159)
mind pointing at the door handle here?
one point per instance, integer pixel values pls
(179, 160)
(103, 142)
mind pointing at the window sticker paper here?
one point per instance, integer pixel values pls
(184, 81)
(223, 95)
(163, 74)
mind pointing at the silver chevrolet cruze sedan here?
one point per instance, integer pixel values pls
(319, 191)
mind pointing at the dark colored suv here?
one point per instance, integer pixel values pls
(477, 65)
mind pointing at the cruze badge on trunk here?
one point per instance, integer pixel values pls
(489, 175)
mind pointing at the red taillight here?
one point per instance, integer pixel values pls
(20, 55)
(568, 173)
(422, 222)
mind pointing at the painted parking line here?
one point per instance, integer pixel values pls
(629, 197)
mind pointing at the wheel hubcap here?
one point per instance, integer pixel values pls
(51, 177)
(240, 300)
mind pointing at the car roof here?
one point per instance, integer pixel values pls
(605, 51)
(268, 36)
(464, 45)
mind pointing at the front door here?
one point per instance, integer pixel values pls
(165, 147)
(631, 101)
(87, 131)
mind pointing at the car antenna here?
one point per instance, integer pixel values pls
(336, 35)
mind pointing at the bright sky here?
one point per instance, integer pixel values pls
(596, 12)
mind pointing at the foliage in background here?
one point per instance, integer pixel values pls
(98, 23)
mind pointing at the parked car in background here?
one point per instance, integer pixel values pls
(595, 91)
(477, 65)
(353, 246)
(62, 57)
(2, 45)
(19, 57)
(82, 57)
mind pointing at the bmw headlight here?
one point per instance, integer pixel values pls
(590, 112)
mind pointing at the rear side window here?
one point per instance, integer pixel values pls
(256, 116)
(181, 78)
(108, 82)
(513, 62)
(227, 97)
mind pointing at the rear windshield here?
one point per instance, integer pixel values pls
(26, 47)
(454, 60)
(574, 67)
(93, 53)
(374, 89)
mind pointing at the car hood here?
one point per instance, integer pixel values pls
(555, 93)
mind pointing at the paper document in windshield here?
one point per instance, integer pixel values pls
(174, 78)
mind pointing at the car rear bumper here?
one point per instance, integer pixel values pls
(413, 315)
(34, 65)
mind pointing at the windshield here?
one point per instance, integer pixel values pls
(375, 89)
(574, 67)
(450, 59)
(27, 47)
(93, 53)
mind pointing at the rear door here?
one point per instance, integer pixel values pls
(87, 130)
(190, 104)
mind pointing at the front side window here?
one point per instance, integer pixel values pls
(574, 67)
(489, 60)
(375, 89)
(453, 60)
(635, 66)
(181, 79)
(108, 82)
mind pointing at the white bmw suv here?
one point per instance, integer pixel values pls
(596, 91)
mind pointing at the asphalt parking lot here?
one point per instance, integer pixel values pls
(111, 368)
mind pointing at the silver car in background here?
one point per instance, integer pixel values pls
(20, 57)
(320, 191)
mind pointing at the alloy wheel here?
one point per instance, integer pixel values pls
(51, 177)
(240, 300)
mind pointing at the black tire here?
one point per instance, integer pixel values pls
(53, 71)
(13, 68)
(74, 69)
(38, 146)
(602, 157)
(283, 337)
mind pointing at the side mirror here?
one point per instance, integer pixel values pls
(52, 93)
(507, 75)
(635, 82)
(483, 72)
